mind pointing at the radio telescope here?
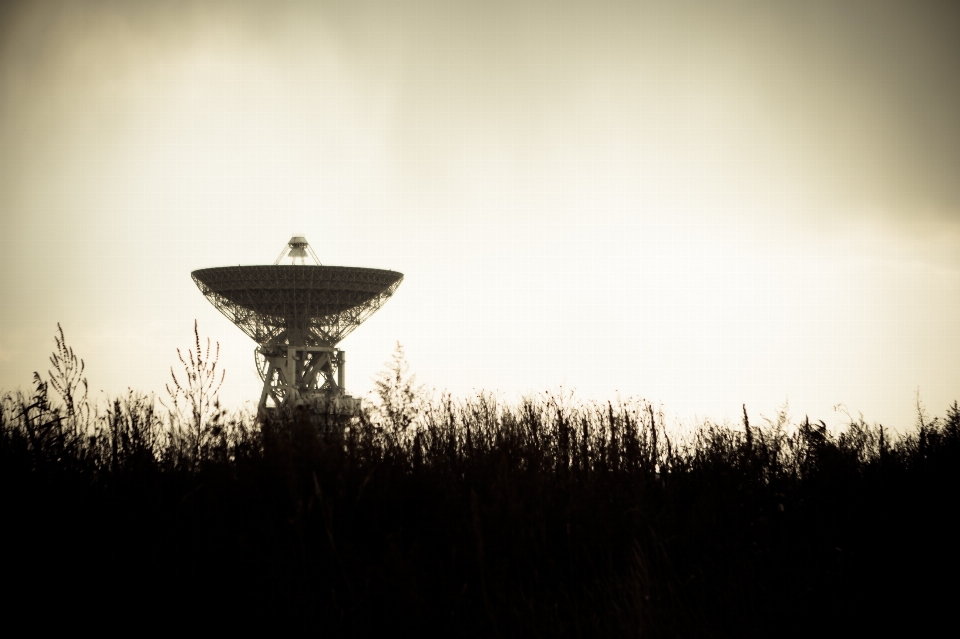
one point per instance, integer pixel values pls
(297, 312)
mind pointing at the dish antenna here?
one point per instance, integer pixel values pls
(297, 312)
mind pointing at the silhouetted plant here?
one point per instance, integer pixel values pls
(399, 397)
(133, 432)
(68, 382)
(479, 517)
(196, 417)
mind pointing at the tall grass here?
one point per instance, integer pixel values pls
(473, 517)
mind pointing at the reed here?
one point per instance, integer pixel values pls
(476, 517)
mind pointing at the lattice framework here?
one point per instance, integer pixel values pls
(297, 304)
(297, 313)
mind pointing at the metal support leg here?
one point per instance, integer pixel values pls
(266, 388)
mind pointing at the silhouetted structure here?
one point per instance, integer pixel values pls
(298, 313)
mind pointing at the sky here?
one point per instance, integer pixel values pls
(704, 204)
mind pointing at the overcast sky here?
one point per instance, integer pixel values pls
(703, 204)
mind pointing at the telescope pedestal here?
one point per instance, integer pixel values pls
(301, 376)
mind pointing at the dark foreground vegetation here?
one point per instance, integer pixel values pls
(467, 518)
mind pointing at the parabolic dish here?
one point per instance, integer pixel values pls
(320, 303)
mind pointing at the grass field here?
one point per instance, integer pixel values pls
(469, 517)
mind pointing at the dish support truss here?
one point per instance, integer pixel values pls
(301, 376)
(299, 327)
